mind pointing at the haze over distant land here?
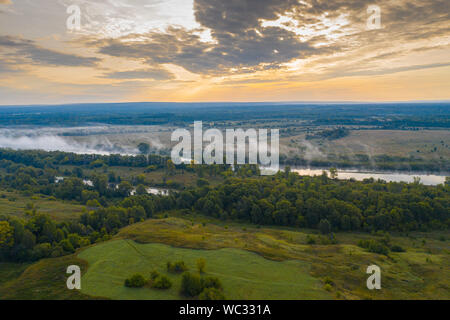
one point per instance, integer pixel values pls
(421, 128)
(215, 50)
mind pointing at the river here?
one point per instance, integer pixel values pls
(426, 179)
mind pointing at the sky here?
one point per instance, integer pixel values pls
(216, 50)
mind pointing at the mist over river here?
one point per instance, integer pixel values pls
(110, 139)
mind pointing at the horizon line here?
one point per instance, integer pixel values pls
(349, 102)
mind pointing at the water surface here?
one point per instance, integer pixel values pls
(426, 179)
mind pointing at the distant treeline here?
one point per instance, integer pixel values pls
(397, 123)
(377, 162)
(332, 134)
(43, 159)
(393, 115)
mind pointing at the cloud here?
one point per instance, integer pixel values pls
(243, 42)
(222, 43)
(28, 49)
(239, 43)
(250, 51)
(153, 73)
(376, 72)
(237, 16)
(7, 67)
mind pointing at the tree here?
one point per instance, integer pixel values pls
(100, 183)
(135, 281)
(256, 214)
(211, 294)
(201, 265)
(42, 250)
(6, 235)
(144, 148)
(211, 282)
(93, 204)
(324, 176)
(170, 167)
(191, 285)
(162, 283)
(137, 213)
(287, 170)
(125, 188)
(67, 246)
(324, 226)
(202, 182)
(176, 267)
(333, 173)
(141, 190)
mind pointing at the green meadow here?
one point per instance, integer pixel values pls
(15, 204)
(251, 262)
(418, 273)
(244, 275)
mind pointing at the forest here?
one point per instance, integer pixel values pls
(285, 199)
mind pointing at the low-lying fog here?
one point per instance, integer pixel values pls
(85, 140)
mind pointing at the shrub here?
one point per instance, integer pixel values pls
(328, 280)
(177, 267)
(57, 251)
(210, 282)
(67, 246)
(211, 294)
(191, 285)
(374, 246)
(201, 265)
(136, 281)
(42, 250)
(202, 183)
(327, 240)
(161, 282)
(310, 239)
(397, 248)
(93, 204)
(154, 274)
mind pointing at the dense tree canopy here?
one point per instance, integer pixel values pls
(285, 199)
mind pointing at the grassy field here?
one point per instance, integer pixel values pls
(13, 203)
(417, 273)
(252, 262)
(244, 275)
(374, 142)
(44, 280)
(9, 271)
